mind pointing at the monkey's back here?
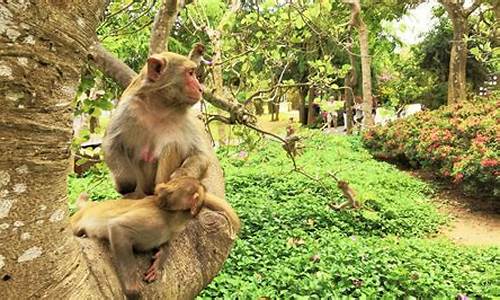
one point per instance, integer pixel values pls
(142, 220)
(94, 219)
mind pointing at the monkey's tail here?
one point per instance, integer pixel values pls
(82, 201)
(215, 203)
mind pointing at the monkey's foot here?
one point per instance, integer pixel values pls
(154, 270)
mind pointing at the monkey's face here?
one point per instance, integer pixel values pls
(174, 75)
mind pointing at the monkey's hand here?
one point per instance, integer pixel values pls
(154, 270)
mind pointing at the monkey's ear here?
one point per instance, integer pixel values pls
(156, 66)
(197, 204)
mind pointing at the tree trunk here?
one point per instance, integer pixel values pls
(259, 107)
(40, 61)
(350, 83)
(302, 105)
(366, 75)
(162, 25)
(357, 21)
(310, 107)
(40, 64)
(218, 83)
(215, 38)
(457, 88)
(277, 109)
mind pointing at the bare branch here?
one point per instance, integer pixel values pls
(118, 33)
(145, 12)
(163, 23)
(268, 90)
(108, 17)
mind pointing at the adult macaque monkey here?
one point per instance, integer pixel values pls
(152, 135)
(145, 224)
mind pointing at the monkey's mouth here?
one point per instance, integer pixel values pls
(194, 98)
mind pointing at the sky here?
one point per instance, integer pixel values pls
(416, 22)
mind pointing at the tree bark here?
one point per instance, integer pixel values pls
(111, 65)
(162, 26)
(310, 110)
(366, 76)
(40, 63)
(42, 49)
(350, 83)
(457, 84)
(218, 83)
(302, 105)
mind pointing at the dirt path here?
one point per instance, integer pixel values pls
(474, 221)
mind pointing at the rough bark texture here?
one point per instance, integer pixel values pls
(457, 84)
(43, 45)
(42, 48)
(366, 76)
(163, 23)
(218, 83)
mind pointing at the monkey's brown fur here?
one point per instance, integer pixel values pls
(152, 135)
(145, 224)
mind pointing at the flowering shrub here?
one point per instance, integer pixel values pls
(459, 142)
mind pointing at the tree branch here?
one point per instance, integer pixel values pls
(163, 23)
(472, 8)
(110, 65)
(238, 114)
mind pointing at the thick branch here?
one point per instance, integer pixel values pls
(110, 65)
(164, 21)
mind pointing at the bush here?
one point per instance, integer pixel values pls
(458, 142)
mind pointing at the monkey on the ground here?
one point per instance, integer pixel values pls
(349, 193)
(152, 136)
(145, 224)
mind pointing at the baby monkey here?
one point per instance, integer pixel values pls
(145, 224)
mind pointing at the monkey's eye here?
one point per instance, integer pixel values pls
(191, 72)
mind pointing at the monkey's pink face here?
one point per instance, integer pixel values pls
(193, 88)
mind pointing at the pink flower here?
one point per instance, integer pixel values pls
(480, 139)
(458, 178)
(489, 162)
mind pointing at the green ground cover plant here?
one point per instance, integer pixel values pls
(294, 246)
(459, 143)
